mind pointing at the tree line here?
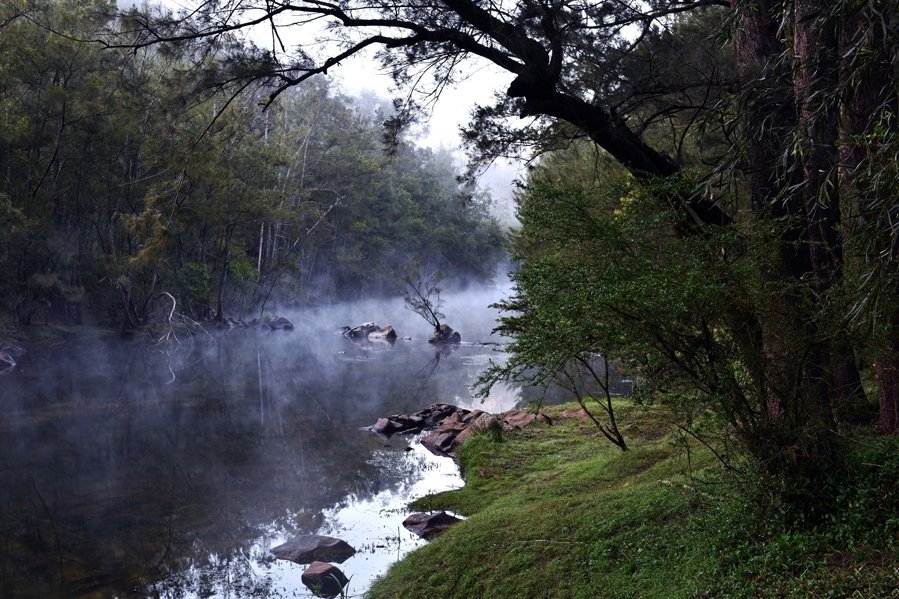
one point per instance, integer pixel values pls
(127, 175)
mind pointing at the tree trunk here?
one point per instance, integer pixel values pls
(888, 379)
(770, 118)
(815, 77)
(868, 96)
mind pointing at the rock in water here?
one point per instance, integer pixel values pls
(362, 331)
(281, 323)
(306, 549)
(428, 525)
(445, 334)
(324, 580)
(387, 333)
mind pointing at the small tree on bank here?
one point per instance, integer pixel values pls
(422, 295)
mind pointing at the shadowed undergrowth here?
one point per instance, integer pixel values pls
(556, 511)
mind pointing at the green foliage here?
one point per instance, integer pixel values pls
(195, 281)
(602, 270)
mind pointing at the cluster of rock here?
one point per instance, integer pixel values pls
(450, 426)
(370, 331)
(400, 424)
(279, 323)
(321, 577)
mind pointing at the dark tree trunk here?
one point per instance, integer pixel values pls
(223, 274)
(888, 379)
(770, 118)
(815, 76)
(868, 96)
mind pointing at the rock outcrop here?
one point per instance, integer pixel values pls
(360, 332)
(387, 333)
(279, 323)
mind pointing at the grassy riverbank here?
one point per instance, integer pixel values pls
(555, 511)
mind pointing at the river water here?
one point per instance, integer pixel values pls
(128, 469)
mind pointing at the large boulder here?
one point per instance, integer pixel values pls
(324, 580)
(306, 549)
(445, 334)
(428, 525)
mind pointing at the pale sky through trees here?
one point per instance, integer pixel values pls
(361, 74)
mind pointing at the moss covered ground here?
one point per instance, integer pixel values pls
(557, 511)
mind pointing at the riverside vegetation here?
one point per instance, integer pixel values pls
(557, 511)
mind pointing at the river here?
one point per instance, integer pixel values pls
(128, 469)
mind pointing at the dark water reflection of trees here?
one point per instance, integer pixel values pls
(113, 478)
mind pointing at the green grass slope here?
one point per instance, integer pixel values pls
(556, 511)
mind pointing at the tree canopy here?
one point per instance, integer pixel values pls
(126, 176)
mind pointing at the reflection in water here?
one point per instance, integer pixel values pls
(128, 471)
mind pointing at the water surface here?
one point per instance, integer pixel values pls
(134, 470)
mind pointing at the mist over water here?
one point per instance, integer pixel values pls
(137, 470)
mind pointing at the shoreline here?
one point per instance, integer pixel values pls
(556, 511)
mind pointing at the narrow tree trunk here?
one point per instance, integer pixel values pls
(888, 379)
(815, 76)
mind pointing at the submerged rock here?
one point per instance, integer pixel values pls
(428, 525)
(445, 334)
(306, 549)
(324, 580)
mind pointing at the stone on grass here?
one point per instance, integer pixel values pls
(428, 525)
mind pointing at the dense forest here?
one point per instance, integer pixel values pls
(130, 175)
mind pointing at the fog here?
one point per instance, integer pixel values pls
(134, 469)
